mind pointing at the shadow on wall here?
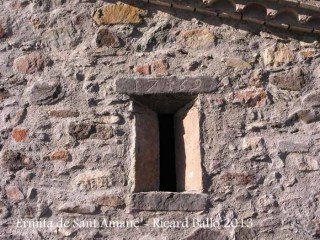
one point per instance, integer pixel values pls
(297, 23)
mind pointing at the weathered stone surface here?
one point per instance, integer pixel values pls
(197, 38)
(92, 180)
(289, 80)
(4, 93)
(267, 202)
(73, 207)
(293, 147)
(45, 93)
(118, 14)
(244, 233)
(159, 67)
(81, 130)
(105, 37)
(312, 99)
(112, 119)
(4, 212)
(109, 201)
(237, 178)
(143, 69)
(63, 113)
(12, 160)
(19, 134)
(237, 63)
(307, 164)
(308, 53)
(277, 55)
(59, 155)
(244, 79)
(103, 132)
(13, 193)
(2, 31)
(252, 143)
(255, 97)
(164, 201)
(142, 86)
(188, 150)
(306, 115)
(206, 234)
(62, 38)
(146, 171)
(43, 210)
(30, 63)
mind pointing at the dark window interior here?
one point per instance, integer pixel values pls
(167, 153)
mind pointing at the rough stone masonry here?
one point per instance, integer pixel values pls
(68, 70)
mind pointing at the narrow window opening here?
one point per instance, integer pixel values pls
(167, 153)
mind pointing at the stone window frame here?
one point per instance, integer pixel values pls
(167, 201)
(145, 194)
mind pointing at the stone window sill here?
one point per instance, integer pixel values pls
(168, 201)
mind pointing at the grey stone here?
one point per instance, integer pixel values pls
(312, 99)
(293, 147)
(43, 93)
(43, 210)
(308, 115)
(12, 160)
(142, 86)
(166, 201)
(72, 207)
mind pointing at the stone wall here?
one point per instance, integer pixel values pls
(66, 133)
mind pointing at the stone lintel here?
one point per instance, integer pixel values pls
(168, 201)
(142, 86)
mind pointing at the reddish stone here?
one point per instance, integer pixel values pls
(13, 193)
(292, 80)
(251, 97)
(237, 178)
(143, 70)
(59, 155)
(19, 134)
(30, 63)
(159, 68)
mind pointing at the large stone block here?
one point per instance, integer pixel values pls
(166, 201)
(188, 150)
(146, 168)
(141, 86)
(111, 14)
(289, 80)
(197, 38)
